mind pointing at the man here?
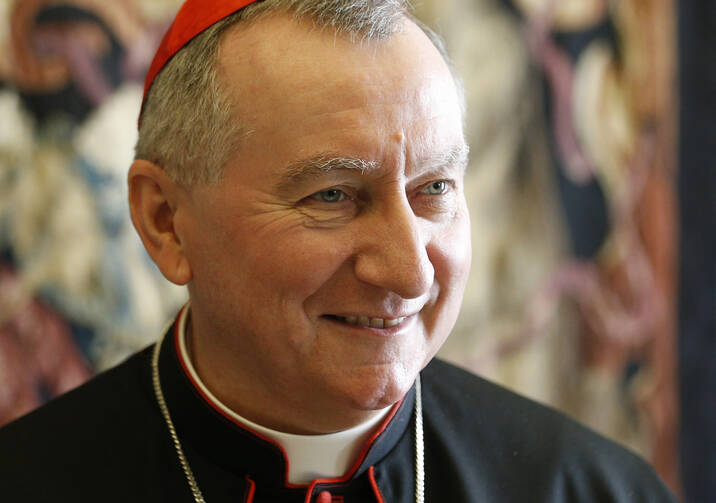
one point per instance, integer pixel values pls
(300, 168)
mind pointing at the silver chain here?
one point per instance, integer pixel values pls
(419, 445)
(198, 498)
(196, 492)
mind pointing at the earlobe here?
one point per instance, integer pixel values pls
(154, 200)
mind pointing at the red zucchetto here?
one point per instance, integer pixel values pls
(194, 17)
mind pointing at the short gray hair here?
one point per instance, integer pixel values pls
(188, 126)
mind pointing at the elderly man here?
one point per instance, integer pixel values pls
(300, 167)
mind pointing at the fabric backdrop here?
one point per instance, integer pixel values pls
(575, 174)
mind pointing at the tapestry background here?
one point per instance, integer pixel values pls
(591, 188)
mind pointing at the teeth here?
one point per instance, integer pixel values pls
(392, 323)
(376, 322)
(365, 321)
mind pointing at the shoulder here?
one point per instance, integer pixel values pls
(107, 397)
(86, 434)
(525, 444)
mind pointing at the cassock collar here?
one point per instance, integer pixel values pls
(237, 448)
(310, 456)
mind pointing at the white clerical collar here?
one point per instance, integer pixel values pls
(310, 456)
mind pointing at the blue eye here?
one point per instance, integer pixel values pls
(436, 188)
(330, 196)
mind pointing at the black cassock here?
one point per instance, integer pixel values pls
(108, 442)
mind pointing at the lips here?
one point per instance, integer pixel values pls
(365, 321)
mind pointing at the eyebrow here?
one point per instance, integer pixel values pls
(457, 156)
(307, 169)
(304, 170)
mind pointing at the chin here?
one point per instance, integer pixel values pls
(380, 389)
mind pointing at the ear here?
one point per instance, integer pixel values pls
(153, 202)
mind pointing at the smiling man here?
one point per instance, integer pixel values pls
(327, 265)
(300, 168)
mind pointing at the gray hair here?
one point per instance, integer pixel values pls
(188, 127)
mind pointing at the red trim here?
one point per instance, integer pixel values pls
(208, 400)
(338, 480)
(374, 484)
(252, 490)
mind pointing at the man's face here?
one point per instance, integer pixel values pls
(344, 207)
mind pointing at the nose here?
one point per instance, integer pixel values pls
(392, 251)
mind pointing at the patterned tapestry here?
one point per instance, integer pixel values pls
(77, 291)
(572, 124)
(572, 128)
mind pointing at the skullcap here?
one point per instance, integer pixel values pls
(194, 17)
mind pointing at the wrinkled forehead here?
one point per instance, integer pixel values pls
(311, 93)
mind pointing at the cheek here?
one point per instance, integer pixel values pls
(295, 264)
(451, 255)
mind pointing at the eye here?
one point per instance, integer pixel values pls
(330, 196)
(436, 188)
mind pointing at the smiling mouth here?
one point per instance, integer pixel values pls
(365, 321)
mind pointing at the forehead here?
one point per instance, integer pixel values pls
(310, 90)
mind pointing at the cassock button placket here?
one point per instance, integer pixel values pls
(324, 496)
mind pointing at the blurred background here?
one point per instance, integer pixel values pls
(592, 190)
